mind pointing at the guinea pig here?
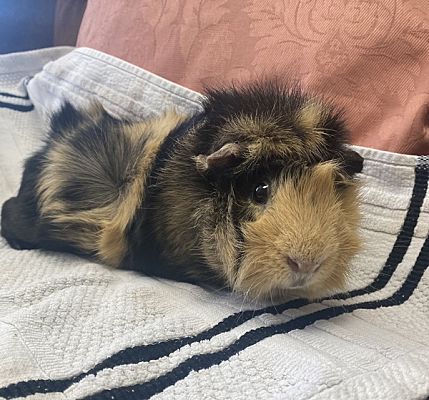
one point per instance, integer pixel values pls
(256, 193)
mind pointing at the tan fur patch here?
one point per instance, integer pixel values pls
(251, 126)
(223, 250)
(308, 221)
(264, 138)
(101, 228)
(110, 248)
(311, 116)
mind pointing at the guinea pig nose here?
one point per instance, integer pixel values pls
(298, 265)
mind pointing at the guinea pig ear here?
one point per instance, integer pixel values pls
(229, 155)
(353, 162)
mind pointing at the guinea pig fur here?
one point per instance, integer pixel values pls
(256, 193)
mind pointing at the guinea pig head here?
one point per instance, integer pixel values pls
(286, 199)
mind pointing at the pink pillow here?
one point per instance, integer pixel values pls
(371, 57)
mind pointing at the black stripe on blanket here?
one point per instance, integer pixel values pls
(17, 107)
(154, 351)
(15, 96)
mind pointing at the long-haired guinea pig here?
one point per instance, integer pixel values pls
(256, 192)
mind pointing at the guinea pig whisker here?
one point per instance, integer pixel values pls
(259, 285)
(219, 289)
(252, 274)
(272, 301)
(245, 297)
(324, 130)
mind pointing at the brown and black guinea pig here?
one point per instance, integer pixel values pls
(255, 193)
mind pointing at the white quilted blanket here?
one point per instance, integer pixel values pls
(71, 329)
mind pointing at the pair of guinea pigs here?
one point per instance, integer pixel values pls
(255, 193)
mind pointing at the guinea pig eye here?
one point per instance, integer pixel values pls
(261, 193)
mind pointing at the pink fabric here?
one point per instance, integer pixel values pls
(371, 57)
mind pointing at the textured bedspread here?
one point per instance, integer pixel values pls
(72, 329)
